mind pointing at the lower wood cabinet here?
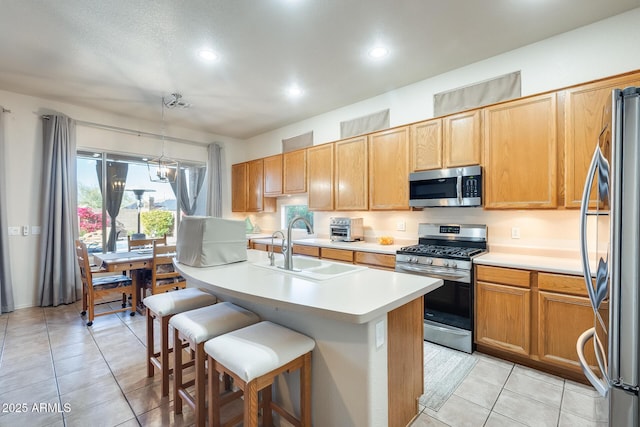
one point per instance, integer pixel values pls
(306, 250)
(376, 260)
(503, 318)
(533, 318)
(337, 254)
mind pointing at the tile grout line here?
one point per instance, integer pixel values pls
(53, 364)
(111, 371)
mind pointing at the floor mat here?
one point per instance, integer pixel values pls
(444, 370)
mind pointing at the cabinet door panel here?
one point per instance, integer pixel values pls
(239, 187)
(389, 169)
(426, 145)
(561, 321)
(294, 164)
(583, 122)
(273, 175)
(320, 177)
(351, 183)
(462, 139)
(503, 317)
(520, 154)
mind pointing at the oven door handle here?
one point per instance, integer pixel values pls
(459, 189)
(438, 274)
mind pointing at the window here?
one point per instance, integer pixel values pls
(131, 201)
(291, 211)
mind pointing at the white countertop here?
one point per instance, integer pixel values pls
(328, 243)
(358, 297)
(562, 265)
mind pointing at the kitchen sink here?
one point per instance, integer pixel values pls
(313, 268)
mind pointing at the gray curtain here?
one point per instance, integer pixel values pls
(116, 179)
(58, 275)
(214, 168)
(6, 286)
(189, 188)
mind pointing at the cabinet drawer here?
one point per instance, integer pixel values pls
(260, 246)
(306, 250)
(562, 283)
(337, 254)
(505, 276)
(376, 260)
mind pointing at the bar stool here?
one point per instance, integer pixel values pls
(253, 357)
(196, 327)
(163, 307)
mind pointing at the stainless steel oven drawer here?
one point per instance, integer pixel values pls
(449, 336)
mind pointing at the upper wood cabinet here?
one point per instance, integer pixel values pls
(320, 177)
(462, 136)
(389, 169)
(273, 175)
(239, 187)
(520, 153)
(583, 110)
(426, 145)
(295, 171)
(351, 183)
(247, 191)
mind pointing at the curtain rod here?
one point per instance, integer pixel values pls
(134, 132)
(4, 110)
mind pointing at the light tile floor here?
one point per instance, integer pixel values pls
(54, 371)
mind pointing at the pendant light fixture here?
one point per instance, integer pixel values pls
(162, 169)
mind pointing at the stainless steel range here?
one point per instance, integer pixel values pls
(445, 251)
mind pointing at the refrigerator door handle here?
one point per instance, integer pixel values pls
(598, 383)
(584, 250)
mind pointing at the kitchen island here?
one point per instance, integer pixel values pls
(368, 360)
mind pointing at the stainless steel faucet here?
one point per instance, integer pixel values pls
(288, 252)
(271, 254)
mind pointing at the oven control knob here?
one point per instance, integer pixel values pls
(453, 264)
(445, 263)
(428, 261)
(413, 259)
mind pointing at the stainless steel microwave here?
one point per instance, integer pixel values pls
(446, 187)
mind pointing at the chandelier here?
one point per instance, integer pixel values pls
(162, 169)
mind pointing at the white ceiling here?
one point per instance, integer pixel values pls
(125, 55)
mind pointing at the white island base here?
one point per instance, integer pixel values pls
(367, 366)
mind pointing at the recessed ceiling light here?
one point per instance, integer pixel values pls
(378, 52)
(207, 55)
(294, 91)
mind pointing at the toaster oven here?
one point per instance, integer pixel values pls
(346, 229)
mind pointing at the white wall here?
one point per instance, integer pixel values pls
(599, 50)
(23, 139)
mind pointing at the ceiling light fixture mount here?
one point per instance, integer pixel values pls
(175, 101)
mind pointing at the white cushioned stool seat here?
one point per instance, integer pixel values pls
(162, 307)
(197, 326)
(179, 301)
(257, 349)
(207, 322)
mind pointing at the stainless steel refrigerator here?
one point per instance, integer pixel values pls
(610, 234)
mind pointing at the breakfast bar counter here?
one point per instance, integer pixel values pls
(367, 324)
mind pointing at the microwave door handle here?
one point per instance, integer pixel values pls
(599, 384)
(459, 189)
(584, 207)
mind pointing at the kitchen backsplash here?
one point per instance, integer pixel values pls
(539, 230)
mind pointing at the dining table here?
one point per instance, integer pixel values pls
(135, 262)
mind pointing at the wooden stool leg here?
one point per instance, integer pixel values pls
(177, 372)
(164, 354)
(214, 394)
(200, 382)
(305, 391)
(251, 404)
(267, 417)
(150, 343)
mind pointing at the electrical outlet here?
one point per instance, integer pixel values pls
(401, 226)
(25, 230)
(515, 232)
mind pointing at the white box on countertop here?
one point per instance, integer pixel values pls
(205, 241)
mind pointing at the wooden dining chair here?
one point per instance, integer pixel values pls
(137, 244)
(164, 277)
(102, 289)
